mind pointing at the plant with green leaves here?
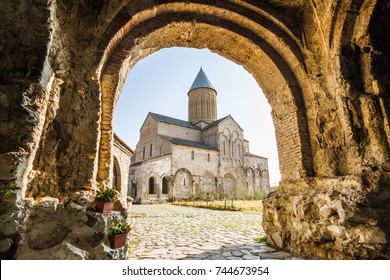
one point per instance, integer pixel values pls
(260, 194)
(243, 193)
(107, 195)
(6, 190)
(260, 239)
(118, 227)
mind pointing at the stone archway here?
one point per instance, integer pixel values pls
(183, 183)
(322, 67)
(229, 186)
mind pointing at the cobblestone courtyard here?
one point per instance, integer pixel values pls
(176, 232)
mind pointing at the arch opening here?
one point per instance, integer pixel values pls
(282, 84)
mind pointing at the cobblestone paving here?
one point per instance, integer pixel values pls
(177, 232)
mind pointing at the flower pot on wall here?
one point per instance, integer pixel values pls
(117, 241)
(103, 206)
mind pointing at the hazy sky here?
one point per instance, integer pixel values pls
(160, 83)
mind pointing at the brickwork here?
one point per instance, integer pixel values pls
(323, 67)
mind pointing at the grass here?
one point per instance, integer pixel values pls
(236, 205)
(130, 245)
(260, 239)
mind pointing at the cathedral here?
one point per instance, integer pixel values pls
(176, 158)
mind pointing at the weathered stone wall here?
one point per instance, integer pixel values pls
(122, 154)
(182, 158)
(323, 66)
(156, 168)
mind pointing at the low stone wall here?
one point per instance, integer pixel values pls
(47, 229)
(331, 218)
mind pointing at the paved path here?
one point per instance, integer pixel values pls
(176, 232)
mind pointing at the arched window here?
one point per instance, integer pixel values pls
(224, 148)
(115, 178)
(133, 190)
(165, 186)
(192, 155)
(151, 185)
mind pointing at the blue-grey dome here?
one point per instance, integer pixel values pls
(201, 81)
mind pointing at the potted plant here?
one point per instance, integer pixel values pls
(117, 234)
(105, 199)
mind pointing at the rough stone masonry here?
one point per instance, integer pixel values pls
(323, 66)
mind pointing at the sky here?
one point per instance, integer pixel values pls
(160, 82)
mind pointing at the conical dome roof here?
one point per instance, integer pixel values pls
(201, 81)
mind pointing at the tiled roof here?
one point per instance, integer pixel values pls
(201, 81)
(174, 121)
(184, 142)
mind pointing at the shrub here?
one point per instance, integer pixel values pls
(107, 195)
(260, 194)
(118, 227)
(192, 196)
(243, 193)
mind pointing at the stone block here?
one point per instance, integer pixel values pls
(5, 245)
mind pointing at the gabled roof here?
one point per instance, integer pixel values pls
(214, 123)
(201, 81)
(123, 143)
(169, 120)
(184, 142)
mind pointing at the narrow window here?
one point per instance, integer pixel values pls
(192, 155)
(143, 153)
(151, 185)
(208, 157)
(239, 151)
(224, 149)
(184, 182)
(232, 149)
(151, 149)
(165, 186)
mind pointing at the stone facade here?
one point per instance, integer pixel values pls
(121, 153)
(323, 66)
(176, 158)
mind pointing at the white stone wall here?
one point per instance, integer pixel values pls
(179, 132)
(156, 168)
(123, 156)
(260, 167)
(182, 158)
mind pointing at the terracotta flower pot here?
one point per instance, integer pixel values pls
(117, 241)
(103, 206)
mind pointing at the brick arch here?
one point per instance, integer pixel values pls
(279, 74)
(325, 79)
